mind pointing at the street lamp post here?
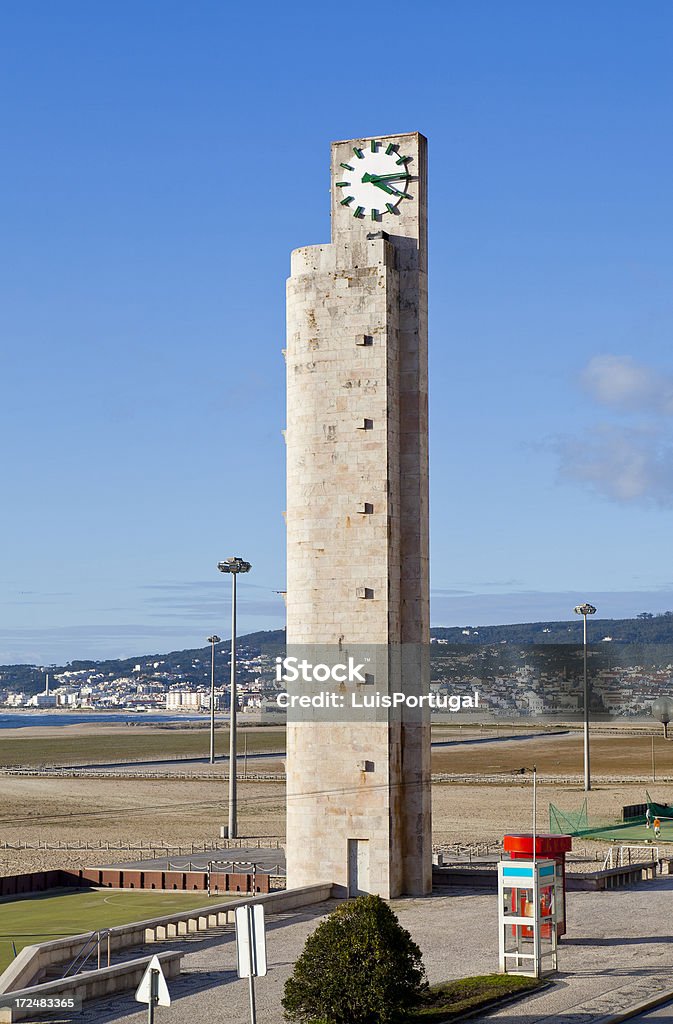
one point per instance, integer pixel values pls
(534, 813)
(212, 640)
(233, 566)
(586, 609)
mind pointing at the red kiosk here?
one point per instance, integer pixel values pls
(547, 847)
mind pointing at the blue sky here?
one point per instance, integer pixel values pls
(160, 161)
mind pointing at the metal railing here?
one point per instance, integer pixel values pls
(141, 846)
(226, 866)
(92, 944)
(244, 867)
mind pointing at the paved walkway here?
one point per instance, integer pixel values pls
(272, 859)
(618, 951)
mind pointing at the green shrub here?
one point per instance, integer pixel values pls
(358, 967)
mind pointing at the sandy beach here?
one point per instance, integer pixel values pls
(122, 810)
(178, 813)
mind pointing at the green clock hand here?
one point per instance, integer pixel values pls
(396, 192)
(375, 178)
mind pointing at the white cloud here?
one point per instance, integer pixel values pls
(624, 385)
(626, 465)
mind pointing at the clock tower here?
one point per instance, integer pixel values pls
(358, 790)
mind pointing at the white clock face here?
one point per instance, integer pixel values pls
(374, 181)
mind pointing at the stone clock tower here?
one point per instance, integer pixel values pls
(358, 792)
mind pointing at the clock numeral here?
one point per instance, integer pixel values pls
(375, 214)
(342, 184)
(347, 167)
(390, 208)
(358, 152)
(346, 201)
(360, 210)
(374, 145)
(403, 160)
(390, 149)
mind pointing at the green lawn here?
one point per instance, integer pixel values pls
(632, 832)
(130, 744)
(30, 919)
(452, 999)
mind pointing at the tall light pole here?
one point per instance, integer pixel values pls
(233, 566)
(534, 813)
(586, 609)
(212, 640)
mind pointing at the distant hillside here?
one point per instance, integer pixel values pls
(193, 666)
(644, 629)
(190, 666)
(271, 641)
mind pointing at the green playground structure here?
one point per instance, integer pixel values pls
(633, 825)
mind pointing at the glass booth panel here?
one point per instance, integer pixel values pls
(528, 899)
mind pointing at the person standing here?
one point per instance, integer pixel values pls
(657, 828)
(648, 815)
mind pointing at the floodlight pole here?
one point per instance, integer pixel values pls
(212, 640)
(587, 767)
(233, 830)
(584, 610)
(534, 813)
(233, 566)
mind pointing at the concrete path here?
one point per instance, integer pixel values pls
(618, 952)
(266, 859)
(209, 989)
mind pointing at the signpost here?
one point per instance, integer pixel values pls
(250, 947)
(153, 989)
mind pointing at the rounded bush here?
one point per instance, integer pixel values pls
(358, 967)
